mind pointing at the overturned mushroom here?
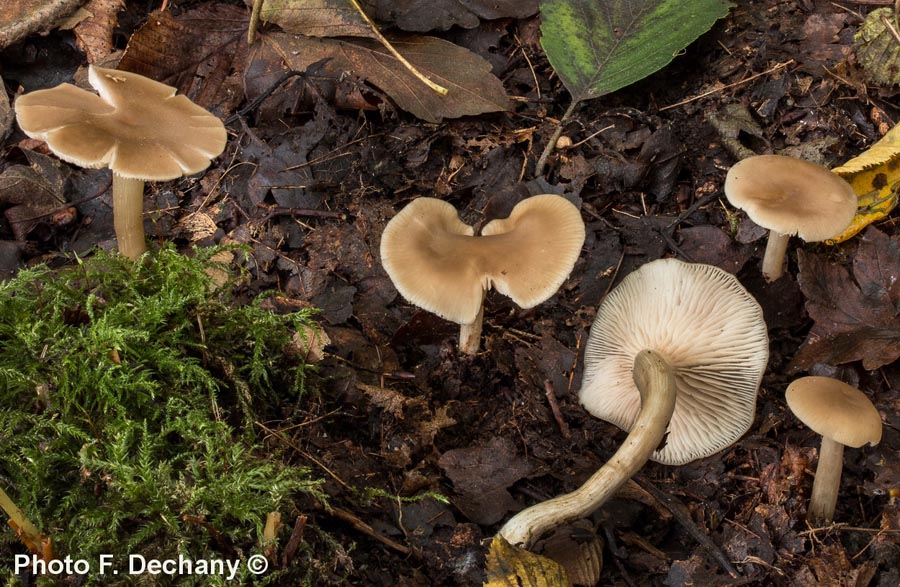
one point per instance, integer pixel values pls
(677, 351)
(790, 196)
(844, 416)
(137, 127)
(436, 262)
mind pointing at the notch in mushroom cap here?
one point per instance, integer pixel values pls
(844, 416)
(437, 263)
(677, 351)
(138, 127)
(790, 196)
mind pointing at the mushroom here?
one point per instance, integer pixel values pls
(436, 262)
(790, 196)
(844, 416)
(137, 127)
(676, 352)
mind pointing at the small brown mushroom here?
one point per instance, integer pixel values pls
(790, 196)
(437, 264)
(677, 351)
(137, 127)
(844, 416)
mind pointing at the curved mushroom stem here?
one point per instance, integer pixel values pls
(827, 482)
(773, 258)
(470, 334)
(128, 215)
(656, 383)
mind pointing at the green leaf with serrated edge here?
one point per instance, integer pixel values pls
(599, 46)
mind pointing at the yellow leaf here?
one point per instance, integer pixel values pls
(875, 177)
(511, 566)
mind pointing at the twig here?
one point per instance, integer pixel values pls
(412, 69)
(728, 86)
(310, 212)
(551, 143)
(294, 541)
(254, 21)
(681, 513)
(259, 99)
(554, 407)
(367, 529)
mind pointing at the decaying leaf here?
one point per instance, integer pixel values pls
(32, 192)
(875, 177)
(599, 46)
(20, 18)
(877, 50)
(473, 88)
(511, 566)
(94, 33)
(316, 18)
(428, 15)
(201, 52)
(855, 319)
(6, 112)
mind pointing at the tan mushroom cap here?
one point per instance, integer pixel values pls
(791, 196)
(137, 127)
(835, 410)
(709, 330)
(437, 264)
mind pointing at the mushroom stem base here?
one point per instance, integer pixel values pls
(128, 216)
(470, 334)
(827, 483)
(773, 259)
(656, 383)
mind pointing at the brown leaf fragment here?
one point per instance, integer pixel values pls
(32, 192)
(710, 245)
(20, 18)
(392, 402)
(201, 52)
(854, 319)
(428, 15)
(316, 18)
(480, 476)
(94, 34)
(473, 89)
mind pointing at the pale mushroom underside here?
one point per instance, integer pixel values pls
(710, 330)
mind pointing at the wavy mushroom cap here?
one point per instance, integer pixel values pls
(791, 196)
(437, 264)
(835, 410)
(712, 334)
(137, 127)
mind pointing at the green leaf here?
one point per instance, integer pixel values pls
(599, 46)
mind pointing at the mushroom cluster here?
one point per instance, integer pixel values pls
(136, 126)
(436, 262)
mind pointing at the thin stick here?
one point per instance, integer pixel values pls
(728, 86)
(551, 143)
(254, 21)
(412, 69)
(367, 529)
(554, 407)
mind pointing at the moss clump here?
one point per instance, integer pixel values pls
(128, 393)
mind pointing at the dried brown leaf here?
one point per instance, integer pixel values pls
(473, 88)
(316, 18)
(94, 34)
(854, 319)
(201, 52)
(428, 15)
(20, 18)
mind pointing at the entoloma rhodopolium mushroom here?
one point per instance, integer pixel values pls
(677, 351)
(137, 127)
(436, 262)
(844, 416)
(790, 196)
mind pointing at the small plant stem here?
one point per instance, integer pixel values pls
(128, 216)
(551, 143)
(773, 258)
(827, 483)
(254, 21)
(29, 534)
(656, 383)
(387, 45)
(470, 334)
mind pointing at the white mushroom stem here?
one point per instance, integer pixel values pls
(827, 483)
(470, 334)
(128, 215)
(773, 259)
(656, 383)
